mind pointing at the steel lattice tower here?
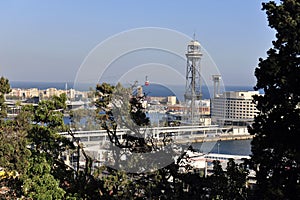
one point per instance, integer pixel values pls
(193, 90)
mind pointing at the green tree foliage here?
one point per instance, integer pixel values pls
(13, 150)
(32, 152)
(47, 121)
(46, 170)
(276, 144)
(84, 119)
(14, 156)
(118, 107)
(13, 141)
(40, 168)
(39, 183)
(4, 89)
(49, 148)
(119, 184)
(229, 184)
(217, 181)
(237, 178)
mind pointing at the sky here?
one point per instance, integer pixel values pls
(49, 40)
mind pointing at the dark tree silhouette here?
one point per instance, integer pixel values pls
(276, 129)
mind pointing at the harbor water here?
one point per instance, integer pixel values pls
(232, 147)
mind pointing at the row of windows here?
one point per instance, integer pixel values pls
(240, 105)
(251, 110)
(238, 113)
(249, 115)
(240, 109)
(234, 103)
(240, 117)
(233, 106)
(240, 102)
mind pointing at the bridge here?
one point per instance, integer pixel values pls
(180, 134)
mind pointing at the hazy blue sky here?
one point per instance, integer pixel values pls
(48, 40)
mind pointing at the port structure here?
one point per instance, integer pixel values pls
(216, 79)
(193, 87)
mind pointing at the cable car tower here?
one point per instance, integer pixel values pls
(193, 92)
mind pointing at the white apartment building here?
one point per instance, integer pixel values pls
(47, 93)
(234, 108)
(24, 93)
(50, 92)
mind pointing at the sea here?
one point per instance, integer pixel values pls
(235, 147)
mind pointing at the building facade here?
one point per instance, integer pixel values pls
(234, 108)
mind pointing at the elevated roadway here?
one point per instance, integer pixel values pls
(180, 134)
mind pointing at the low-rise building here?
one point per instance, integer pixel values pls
(172, 100)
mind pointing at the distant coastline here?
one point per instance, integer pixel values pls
(40, 85)
(151, 90)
